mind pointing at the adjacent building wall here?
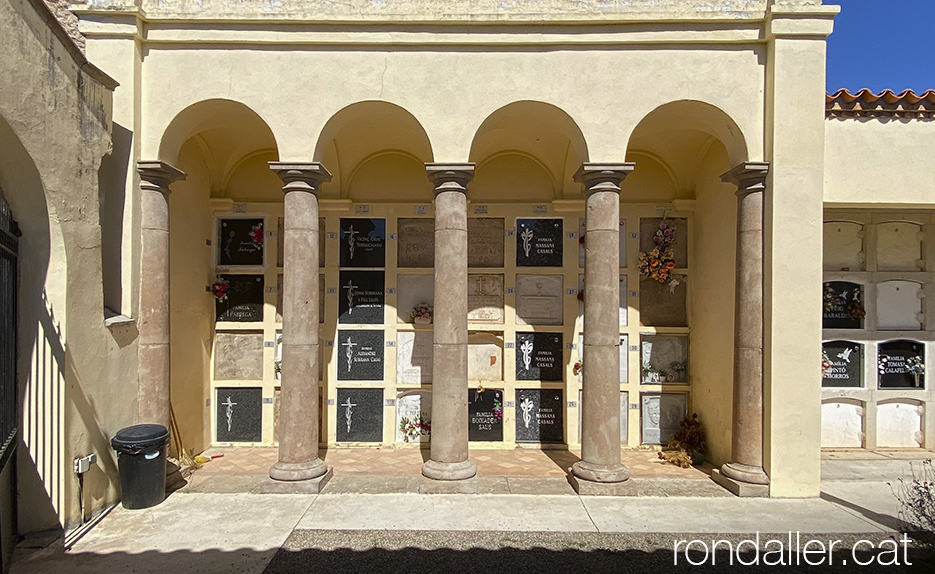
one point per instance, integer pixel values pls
(76, 378)
(879, 162)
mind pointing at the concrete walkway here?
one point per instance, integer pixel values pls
(250, 532)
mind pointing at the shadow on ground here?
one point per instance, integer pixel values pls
(448, 560)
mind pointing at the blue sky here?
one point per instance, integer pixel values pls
(881, 44)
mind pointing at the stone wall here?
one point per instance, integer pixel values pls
(68, 20)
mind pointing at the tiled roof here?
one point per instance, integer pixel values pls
(866, 104)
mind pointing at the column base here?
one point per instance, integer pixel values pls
(449, 470)
(292, 471)
(602, 473)
(741, 488)
(307, 486)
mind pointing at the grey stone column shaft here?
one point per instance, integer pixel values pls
(153, 354)
(747, 432)
(299, 401)
(449, 444)
(600, 409)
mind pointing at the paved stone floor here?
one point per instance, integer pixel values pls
(408, 462)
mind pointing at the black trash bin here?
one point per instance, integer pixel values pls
(141, 458)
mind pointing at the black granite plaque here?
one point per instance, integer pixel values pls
(539, 242)
(361, 297)
(239, 414)
(842, 364)
(900, 364)
(240, 241)
(539, 416)
(539, 356)
(843, 306)
(360, 415)
(485, 415)
(244, 301)
(360, 355)
(363, 242)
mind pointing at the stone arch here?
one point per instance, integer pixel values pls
(375, 140)
(527, 150)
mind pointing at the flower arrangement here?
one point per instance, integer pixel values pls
(578, 368)
(497, 407)
(414, 428)
(651, 375)
(848, 302)
(659, 263)
(826, 362)
(421, 313)
(580, 294)
(220, 287)
(256, 235)
(915, 365)
(687, 445)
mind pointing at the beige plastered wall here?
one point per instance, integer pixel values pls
(879, 162)
(76, 378)
(755, 66)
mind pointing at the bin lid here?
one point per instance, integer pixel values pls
(138, 437)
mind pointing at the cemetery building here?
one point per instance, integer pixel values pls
(457, 225)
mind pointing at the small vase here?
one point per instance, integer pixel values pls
(422, 320)
(697, 458)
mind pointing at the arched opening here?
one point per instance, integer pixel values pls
(39, 352)
(376, 152)
(681, 149)
(526, 151)
(224, 148)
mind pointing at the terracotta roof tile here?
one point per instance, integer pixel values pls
(907, 104)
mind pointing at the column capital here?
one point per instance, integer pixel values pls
(450, 176)
(157, 175)
(306, 177)
(749, 177)
(602, 176)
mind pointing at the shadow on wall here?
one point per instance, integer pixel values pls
(39, 380)
(112, 178)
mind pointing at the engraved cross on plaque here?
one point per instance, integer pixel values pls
(351, 291)
(349, 351)
(348, 405)
(351, 240)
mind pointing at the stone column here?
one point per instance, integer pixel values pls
(600, 401)
(744, 475)
(449, 445)
(153, 354)
(298, 414)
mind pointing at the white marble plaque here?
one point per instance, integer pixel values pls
(663, 359)
(416, 244)
(485, 242)
(661, 415)
(485, 298)
(899, 306)
(485, 357)
(238, 356)
(899, 424)
(413, 412)
(842, 424)
(843, 246)
(414, 357)
(412, 290)
(899, 246)
(539, 299)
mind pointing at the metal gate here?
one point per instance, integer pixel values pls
(9, 234)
